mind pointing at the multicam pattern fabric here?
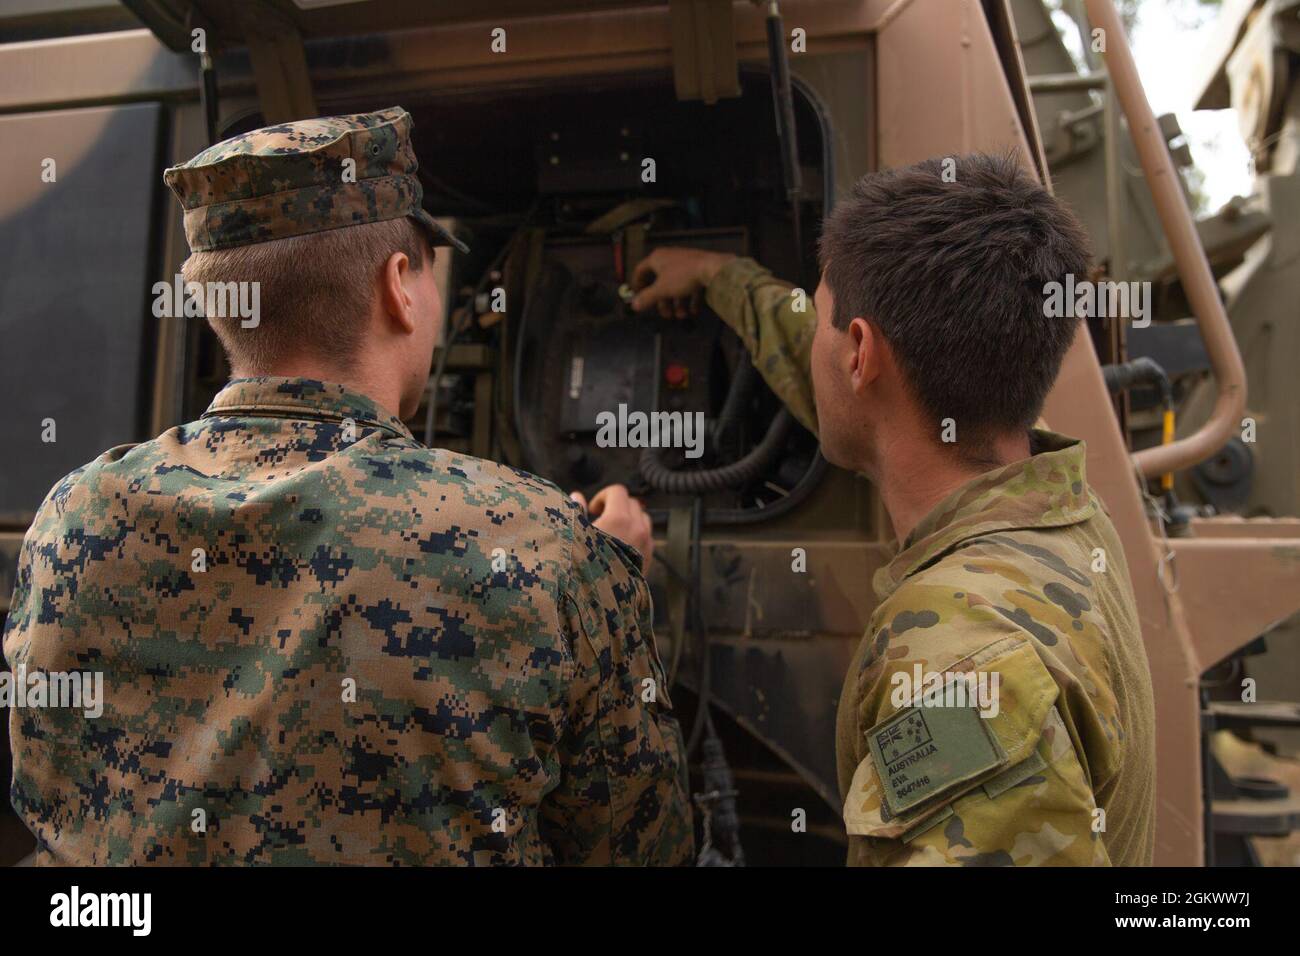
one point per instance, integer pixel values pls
(1018, 573)
(387, 655)
(776, 326)
(292, 179)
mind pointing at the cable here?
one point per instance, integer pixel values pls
(696, 603)
(452, 331)
(431, 411)
(208, 99)
(659, 476)
(700, 633)
(717, 799)
(786, 134)
(678, 644)
(792, 499)
(738, 396)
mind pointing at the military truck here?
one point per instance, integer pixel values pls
(565, 140)
(1250, 244)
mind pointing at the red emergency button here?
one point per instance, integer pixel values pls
(677, 375)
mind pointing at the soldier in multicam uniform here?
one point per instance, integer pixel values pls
(929, 319)
(323, 642)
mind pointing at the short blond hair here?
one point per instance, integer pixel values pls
(315, 291)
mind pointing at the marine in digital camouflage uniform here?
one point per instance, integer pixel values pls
(321, 641)
(1000, 577)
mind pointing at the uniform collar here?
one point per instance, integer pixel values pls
(272, 397)
(1047, 490)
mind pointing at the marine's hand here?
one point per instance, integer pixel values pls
(672, 278)
(616, 512)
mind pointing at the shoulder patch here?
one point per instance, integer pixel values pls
(922, 752)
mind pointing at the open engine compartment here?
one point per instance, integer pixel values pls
(614, 172)
(560, 193)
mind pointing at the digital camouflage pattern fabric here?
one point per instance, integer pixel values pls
(331, 644)
(301, 177)
(1018, 573)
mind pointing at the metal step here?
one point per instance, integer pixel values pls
(1256, 817)
(1229, 714)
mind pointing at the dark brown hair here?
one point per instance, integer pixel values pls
(954, 274)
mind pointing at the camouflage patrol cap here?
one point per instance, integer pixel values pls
(293, 178)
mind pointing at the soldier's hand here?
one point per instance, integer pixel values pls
(673, 279)
(616, 512)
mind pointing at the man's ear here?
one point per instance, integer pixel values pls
(866, 342)
(395, 297)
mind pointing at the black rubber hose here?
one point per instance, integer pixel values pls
(1139, 371)
(781, 506)
(738, 396)
(659, 476)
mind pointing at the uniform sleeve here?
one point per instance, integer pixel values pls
(986, 775)
(776, 324)
(622, 797)
(19, 613)
(22, 603)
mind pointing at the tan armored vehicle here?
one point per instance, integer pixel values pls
(565, 140)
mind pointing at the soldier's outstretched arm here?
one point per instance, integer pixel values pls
(775, 320)
(622, 797)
